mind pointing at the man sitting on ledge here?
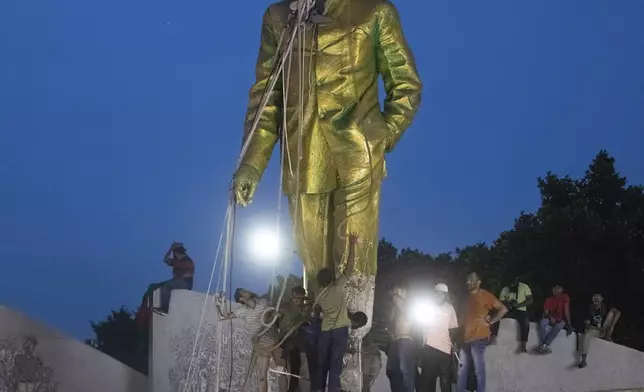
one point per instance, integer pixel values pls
(183, 272)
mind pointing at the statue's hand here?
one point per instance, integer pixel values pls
(245, 182)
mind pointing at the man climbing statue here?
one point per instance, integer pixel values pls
(334, 134)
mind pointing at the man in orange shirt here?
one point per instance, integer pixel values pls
(476, 321)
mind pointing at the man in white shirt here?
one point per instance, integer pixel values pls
(436, 354)
(250, 312)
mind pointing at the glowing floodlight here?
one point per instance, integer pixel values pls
(424, 312)
(265, 244)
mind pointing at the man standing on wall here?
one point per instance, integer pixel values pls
(436, 354)
(476, 321)
(401, 357)
(516, 297)
(556, 316)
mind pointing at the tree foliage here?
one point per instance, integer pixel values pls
(119, 337)
(587, 235)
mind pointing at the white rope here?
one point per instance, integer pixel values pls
(203, 309)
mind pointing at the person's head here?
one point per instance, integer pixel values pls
(179, 251)
(358, 320)
(515, 281)
(557, 289)
(29, 344)
(325, 277)
(245, 297)
(598, 299)
(441, 292)
(399, 294)
(298, 294)
(473, 281)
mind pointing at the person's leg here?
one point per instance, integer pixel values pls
(295, 363)
(543, 330)
(611, 320)
(478, 357)
(262, 364)
(524, 326)
(552, 334)
(465, 366)
(393, 366)
(444, 366)
(429, 370)
(189, 282)
(408, 365)
(340, 338)
(584, 344)
(323, 356)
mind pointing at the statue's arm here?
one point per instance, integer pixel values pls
(397, 67)
(266, 134)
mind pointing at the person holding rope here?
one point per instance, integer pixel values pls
(334, 337)
(251, 312)
(291, 321)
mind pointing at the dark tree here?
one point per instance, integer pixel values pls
(119, 337)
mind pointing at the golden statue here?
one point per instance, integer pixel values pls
(334, 135)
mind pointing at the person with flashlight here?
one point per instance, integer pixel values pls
(476, 322)
(401, 357)
(436, 354)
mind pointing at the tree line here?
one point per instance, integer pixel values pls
(587, 236)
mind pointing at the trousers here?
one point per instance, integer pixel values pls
(524, 324)
(435, 365)
(401, 365)
(472, 354)
(331, 348)
(323, 221)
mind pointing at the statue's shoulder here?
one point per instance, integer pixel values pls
(277, 13)
(371, 9)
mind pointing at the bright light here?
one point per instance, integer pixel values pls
(265, 245)
(424, 312)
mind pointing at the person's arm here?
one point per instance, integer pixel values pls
(567, 311)
(504, 297)
(501, 310)
(351, 259)
(268, 120)
(397, 67)
(169, 255)
(528, 298)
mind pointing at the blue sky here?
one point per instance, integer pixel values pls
(120, 123)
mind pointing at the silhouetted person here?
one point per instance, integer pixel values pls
(183, 272)
(599, 323)
(516, 297)
(436, 354)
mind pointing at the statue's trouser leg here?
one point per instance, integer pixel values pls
(322, 224)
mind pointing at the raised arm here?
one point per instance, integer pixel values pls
(266, 133)
(397, 67)
(351, 258)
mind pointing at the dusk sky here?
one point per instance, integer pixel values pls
(120, 123)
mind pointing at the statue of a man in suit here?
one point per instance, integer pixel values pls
(326, 113)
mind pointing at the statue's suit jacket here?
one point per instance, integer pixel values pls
(344, 132)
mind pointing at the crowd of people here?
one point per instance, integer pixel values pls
(440, 347)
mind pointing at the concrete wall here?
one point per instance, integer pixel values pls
(176, 366)
(52, 362)
(610, 367)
